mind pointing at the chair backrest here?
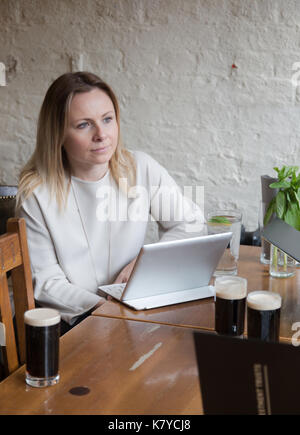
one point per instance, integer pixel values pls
(7, 205)
(14, 257)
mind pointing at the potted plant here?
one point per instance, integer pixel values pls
(286, 206)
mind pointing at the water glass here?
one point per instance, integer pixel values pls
(223, 221)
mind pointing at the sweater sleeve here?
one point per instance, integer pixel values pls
(176, 214)
(51, 286)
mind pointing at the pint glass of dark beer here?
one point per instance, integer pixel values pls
(263, 315)
(231, 292)
(42, 328)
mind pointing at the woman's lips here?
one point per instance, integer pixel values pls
(100, 149)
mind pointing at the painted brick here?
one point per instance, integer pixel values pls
(205, 86)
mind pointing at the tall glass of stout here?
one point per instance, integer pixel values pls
(230, 302)
(42, 329)
(263, 315)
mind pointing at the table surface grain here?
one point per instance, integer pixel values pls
(126, 367)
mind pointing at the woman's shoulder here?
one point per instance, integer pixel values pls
(144, 159)
(149, 170)
(37, 200)
(40, 191)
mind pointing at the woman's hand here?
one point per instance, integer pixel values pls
(125, 273)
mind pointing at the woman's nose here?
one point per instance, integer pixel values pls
(99, 133)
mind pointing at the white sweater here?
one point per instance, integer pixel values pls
(74, 251)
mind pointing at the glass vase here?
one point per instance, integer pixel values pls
(265, 245)
(281, 264)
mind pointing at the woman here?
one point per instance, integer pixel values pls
(86, 199)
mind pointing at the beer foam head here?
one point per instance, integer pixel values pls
(231, 287)
(41, 317)
(264, 300)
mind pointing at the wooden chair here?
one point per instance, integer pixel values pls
(14, 257)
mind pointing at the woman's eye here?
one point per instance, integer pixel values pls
(82, 125)
(107, 119)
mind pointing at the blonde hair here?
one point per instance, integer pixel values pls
(49, 165)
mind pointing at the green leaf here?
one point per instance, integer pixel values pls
(292, 216)
(293, 178)
(296, 183)
(280, 185)
(270, 211)
(294, 197)
(282, 172)
(292, 170)
(280, 204)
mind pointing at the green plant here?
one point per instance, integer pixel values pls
(286, 203)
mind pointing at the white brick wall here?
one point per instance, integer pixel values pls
(170, 63)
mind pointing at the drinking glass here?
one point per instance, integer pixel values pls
(263, 315)
(230, 302)
(223, 221)
(42, 330)
(265, 245)
(281, 264)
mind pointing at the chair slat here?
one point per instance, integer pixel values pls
(10, 252)
(10, 354)
(14, 257)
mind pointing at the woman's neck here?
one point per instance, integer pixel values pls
(91, 174)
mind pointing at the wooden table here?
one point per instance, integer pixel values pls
(128, 368)
(200, 314)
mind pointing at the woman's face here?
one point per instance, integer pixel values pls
(91, 136)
